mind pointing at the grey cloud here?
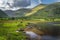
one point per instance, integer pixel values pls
(22, 3)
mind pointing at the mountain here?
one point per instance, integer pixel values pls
(50, 11)
(3, 14)
(10, 13)
(40, 11)
(27, 12)
(35, 9)
(17, 13)
(24, 11)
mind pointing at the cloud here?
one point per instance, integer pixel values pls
(22, 3)
(40, 1)
(34, 3)
(14, 4)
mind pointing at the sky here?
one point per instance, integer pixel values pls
(35, 3)
(49, 1)
(23, 3)
(13, 4)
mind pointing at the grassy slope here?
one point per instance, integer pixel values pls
(2, 14)
(46, 12)
(22, 12)
(35, 9)
(8, 30)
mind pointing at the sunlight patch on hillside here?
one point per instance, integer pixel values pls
(34, 10)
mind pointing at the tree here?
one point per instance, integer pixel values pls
(56, 12)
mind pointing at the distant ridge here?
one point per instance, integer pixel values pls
(3, 14)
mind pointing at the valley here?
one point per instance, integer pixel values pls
(43, 20)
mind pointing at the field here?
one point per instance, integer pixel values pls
(8, 28)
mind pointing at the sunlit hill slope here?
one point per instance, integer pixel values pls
(50, 11)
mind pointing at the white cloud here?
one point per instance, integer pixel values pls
(34, 3)
(4, 5)
(12, 4)
(40, 1)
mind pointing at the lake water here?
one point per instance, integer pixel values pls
(34, 36)
(50, 38)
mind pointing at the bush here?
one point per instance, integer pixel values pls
(16, 36)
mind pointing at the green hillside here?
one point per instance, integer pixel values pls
(50, 11)
(2, 14)
(35, 9)
(28, 12)
(21, 12)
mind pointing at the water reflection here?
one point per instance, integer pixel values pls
(46, 37)
(33, 36)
